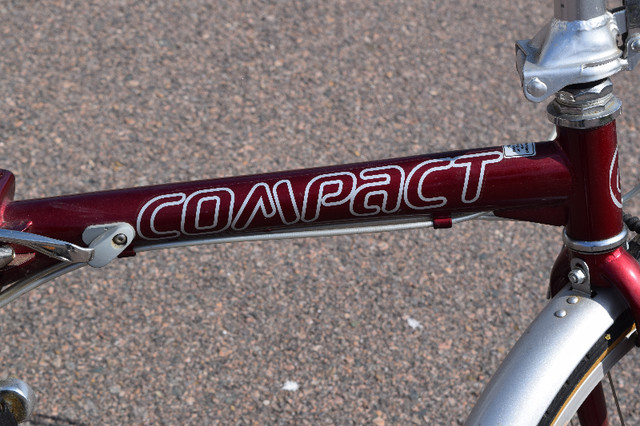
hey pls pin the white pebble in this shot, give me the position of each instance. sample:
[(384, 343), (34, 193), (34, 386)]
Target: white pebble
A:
[(290, 386), (413, 323)]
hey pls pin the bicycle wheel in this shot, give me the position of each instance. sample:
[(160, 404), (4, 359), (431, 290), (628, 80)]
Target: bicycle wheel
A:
[(561, 357)]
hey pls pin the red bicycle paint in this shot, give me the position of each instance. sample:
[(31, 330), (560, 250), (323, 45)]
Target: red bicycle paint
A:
[(426, 187)]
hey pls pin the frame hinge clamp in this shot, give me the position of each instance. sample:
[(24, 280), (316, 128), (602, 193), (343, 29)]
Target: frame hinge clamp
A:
[(105, 243)]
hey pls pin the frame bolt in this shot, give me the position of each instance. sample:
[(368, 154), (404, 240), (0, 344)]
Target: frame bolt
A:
[(635, 44), (577, 276), (120, 240), (535, 87)]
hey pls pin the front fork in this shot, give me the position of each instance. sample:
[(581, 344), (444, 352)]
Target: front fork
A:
[(594, 253)]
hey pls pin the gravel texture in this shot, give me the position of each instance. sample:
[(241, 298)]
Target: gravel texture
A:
[(398, 328)]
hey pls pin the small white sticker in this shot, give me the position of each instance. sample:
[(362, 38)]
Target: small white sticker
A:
[(519, 150)]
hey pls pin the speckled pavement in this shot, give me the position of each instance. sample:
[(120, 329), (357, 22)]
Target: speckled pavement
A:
[(397, 328)]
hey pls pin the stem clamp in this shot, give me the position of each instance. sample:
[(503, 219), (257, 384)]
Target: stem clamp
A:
[(582, 43)]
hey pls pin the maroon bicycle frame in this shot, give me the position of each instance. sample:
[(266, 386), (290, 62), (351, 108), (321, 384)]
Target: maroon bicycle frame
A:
[(512, 183), (572, 182), (525, 181)]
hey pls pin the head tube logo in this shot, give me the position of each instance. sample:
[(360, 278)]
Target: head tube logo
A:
[(614, 181)]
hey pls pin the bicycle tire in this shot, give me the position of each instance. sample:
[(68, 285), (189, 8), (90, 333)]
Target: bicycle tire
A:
[(592, 369)]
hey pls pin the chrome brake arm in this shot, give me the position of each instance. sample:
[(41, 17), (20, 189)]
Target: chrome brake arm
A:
[(107, 241)]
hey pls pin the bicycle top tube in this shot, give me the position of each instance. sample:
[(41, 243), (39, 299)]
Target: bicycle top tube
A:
[(514, 179)]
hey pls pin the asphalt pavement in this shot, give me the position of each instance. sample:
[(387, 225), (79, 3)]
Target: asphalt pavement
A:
[(396, 328)]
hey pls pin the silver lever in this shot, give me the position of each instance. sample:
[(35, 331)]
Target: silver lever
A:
[(57, 249), (105, 242)]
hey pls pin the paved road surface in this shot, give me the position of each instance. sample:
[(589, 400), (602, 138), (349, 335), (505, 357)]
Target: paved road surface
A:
[(110, 94)]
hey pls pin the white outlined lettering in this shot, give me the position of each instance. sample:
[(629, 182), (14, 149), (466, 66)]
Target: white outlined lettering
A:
[(469, 161), (419, 201), (283, 191), (175, 199), (259, 199), (374, 191), (327, 190), (614, 181), (203, 211), (379, 193)]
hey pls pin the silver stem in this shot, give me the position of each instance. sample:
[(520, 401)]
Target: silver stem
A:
[(578, 10)]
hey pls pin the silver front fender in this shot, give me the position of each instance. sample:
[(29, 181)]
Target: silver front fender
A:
[(541, 361)]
